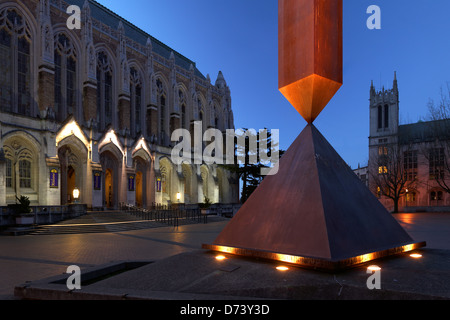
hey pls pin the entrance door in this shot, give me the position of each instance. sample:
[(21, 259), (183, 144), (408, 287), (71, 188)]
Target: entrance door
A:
[(71, 183), (139, 189), (109, 191)]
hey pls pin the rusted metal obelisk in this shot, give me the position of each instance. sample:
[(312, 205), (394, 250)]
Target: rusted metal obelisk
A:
[(315, 212)]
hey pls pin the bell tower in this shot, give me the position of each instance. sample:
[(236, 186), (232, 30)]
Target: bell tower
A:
[(384, 115)]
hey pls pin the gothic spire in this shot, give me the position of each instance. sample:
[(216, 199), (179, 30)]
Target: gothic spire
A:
[(395, 87)]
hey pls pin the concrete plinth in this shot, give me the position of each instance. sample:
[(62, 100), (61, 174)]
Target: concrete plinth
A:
[(199, 276)]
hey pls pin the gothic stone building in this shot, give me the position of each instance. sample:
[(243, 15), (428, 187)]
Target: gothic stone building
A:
[(94, 108), (422, 157)]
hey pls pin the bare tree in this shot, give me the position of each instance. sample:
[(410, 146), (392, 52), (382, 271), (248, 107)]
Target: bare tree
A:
[(438, 147), (394, 172)]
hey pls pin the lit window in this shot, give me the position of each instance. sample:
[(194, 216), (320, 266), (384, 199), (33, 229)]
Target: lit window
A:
[(411, 197), (382, 170), (379, 192)]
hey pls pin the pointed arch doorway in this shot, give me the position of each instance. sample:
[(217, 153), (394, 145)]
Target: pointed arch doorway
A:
[(142, 186), (109, 191), (139, 194), (72, 159), (111, 169), (71, 183)]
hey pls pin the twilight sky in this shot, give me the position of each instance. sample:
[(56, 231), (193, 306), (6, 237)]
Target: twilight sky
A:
[(240, 38)]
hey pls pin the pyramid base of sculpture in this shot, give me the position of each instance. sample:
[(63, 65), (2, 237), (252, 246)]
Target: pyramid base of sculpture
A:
[(315, 212)]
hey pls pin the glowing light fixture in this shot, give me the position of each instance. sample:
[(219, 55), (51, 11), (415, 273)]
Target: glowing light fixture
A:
[(305, 261), (111, 137), (220, 258), (76, 195), (416, 256), (282, 268), (374, 268), (178, 196), (141, 145), (70, 129)]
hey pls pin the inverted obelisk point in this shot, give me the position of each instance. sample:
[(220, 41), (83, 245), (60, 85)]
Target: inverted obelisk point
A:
[(310, 53)]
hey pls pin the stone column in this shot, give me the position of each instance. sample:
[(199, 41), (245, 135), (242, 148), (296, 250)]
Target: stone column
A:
[(90, 101), (46, 92), (152, 121), (124, 112)]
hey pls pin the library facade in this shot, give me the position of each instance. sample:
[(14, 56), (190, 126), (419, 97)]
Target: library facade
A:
[(93, 109)]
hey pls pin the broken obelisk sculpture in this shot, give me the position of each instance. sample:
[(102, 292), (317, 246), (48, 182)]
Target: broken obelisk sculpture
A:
[(315, 212)]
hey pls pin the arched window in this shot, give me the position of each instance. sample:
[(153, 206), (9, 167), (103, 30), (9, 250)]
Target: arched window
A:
[(15, 63), (200, 107), (163, 113), (386, 116), (104, 90), (183, 116), (380, 117), (136, 101), (161, 93), (65, 77)]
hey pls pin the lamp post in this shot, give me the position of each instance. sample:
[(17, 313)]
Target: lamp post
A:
[(407, 190), (76, 195)]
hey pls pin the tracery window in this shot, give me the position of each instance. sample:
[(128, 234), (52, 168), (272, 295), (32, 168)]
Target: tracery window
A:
[(161, 93), (19, 166), (104, 90), (15, 63), (136, 100), (65, 77)]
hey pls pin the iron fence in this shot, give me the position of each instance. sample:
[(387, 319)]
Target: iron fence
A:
[(167, 214)]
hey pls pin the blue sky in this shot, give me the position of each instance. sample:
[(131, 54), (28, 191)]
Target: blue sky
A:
[(240, 38)]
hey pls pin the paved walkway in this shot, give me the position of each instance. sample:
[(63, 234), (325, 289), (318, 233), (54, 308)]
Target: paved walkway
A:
[(31, 258)]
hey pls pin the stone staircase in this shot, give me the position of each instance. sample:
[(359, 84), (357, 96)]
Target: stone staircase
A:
[(98, 222), (110, 222)]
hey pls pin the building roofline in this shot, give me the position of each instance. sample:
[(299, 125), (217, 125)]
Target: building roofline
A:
[(147, 35)]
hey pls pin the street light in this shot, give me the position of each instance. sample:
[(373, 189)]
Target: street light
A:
[(76, 195), (407, 195)]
